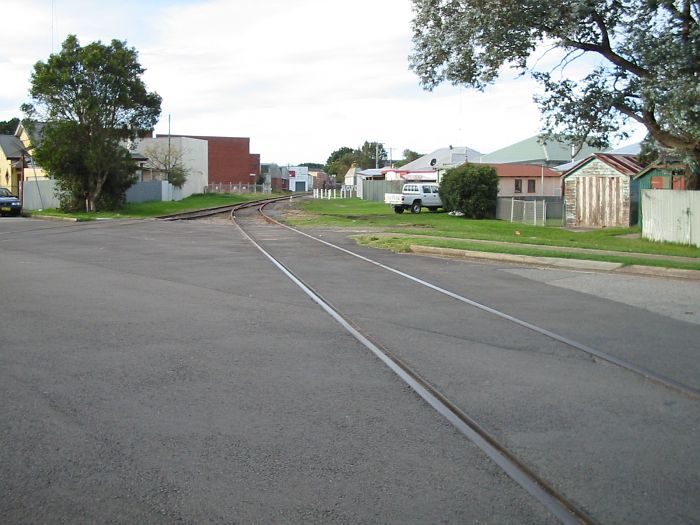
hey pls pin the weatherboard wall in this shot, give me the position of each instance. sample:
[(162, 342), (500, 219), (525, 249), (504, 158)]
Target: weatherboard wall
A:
[(597, 196)]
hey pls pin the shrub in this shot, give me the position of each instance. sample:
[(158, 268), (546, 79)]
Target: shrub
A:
[(471, 189)]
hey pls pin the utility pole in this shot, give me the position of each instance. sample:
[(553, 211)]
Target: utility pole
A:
[(167, 165)]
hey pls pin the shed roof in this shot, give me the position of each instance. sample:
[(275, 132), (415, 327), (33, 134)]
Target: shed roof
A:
[(665, 169), (623, 164)]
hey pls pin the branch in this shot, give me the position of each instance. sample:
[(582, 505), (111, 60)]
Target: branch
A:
[(648, 120), (610, 55)]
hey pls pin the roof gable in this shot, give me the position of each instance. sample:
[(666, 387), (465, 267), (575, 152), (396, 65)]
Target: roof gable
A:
[(623, 164)]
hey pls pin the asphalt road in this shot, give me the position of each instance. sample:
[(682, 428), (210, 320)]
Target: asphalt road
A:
[(166, 372)]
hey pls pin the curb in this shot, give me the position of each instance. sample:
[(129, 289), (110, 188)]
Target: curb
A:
[(555, 262), (54, 218)]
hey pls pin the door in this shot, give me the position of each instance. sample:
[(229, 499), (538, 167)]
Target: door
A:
[(300, 186)]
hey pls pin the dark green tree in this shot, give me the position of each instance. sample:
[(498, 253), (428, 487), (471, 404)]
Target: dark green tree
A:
[(368, 155), (92, 99), (373, 155), (339, 162), (644, 66), (8, 127), (471, 189)]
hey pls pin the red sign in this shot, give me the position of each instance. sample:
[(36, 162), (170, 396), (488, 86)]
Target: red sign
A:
[(292, 173)]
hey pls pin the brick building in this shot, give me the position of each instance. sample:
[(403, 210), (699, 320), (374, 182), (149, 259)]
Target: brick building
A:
[(230, 159)]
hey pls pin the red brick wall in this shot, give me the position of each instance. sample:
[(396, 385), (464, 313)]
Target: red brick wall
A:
[(230, 159)]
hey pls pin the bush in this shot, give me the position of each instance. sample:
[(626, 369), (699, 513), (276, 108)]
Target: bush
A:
[(471, 189)]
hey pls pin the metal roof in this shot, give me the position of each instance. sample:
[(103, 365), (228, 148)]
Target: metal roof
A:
[(11, 146), (535, 148), (443, 157), (623, 164)]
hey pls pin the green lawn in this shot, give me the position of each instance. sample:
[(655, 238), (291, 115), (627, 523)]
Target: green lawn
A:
[(359, 213), (154, 209)]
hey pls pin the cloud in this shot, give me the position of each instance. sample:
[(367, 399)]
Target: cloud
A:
[(301, 78)]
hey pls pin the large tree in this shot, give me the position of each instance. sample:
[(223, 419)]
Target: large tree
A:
[(642, 59), (92, 99)]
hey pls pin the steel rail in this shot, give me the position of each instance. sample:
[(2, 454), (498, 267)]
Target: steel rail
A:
[(217, 210), (566, 511), (647, 374)]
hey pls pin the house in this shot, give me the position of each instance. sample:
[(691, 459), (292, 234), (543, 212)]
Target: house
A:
[(12, 155), (229, 159), (536, 150), (668, 176), (526, 181), (428, 167), (598, 193)]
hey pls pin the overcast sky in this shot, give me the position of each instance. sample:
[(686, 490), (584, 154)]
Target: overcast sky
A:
[(301, 78)]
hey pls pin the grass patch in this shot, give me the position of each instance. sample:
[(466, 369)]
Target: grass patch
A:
[(145, 210), (357, 213), (403, 244)]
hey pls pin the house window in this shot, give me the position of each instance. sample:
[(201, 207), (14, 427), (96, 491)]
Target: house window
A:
[(531, 186), (518, 185)]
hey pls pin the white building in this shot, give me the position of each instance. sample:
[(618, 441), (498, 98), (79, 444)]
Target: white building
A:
[(299, 179), (195, 158)]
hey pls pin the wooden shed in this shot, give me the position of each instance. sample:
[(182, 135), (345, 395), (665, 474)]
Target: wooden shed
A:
[(597, 192), (672, 176)]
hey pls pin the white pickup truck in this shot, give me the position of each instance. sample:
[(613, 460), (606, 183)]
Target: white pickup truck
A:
[(415, 196)]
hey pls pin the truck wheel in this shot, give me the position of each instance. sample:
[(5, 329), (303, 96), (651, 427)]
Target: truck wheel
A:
[(415, 207), (398, 209)]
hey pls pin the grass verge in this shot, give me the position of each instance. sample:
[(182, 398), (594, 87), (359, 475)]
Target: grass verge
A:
[(403, 245), (356, 213), (145, 210)]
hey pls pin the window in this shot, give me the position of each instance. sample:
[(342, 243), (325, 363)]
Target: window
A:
[(518, 185), (531, 186), (426, 189)]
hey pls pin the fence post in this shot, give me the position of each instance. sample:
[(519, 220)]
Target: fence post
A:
[(512, 204)]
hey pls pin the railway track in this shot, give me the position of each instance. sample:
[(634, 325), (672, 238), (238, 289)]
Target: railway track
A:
[(558, 504)]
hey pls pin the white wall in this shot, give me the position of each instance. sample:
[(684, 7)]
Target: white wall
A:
[(301, 174), (195, 158)]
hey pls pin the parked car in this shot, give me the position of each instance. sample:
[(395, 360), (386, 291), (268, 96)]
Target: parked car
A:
[(9, 204), (414, 196)]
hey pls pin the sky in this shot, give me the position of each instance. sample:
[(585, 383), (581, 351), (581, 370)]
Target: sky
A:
[(301, 78)]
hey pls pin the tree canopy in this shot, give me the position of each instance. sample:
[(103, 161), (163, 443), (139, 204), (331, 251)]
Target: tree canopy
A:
[(642, 59), (8, 127), (471, 189), (368, 155), (92, 99)]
